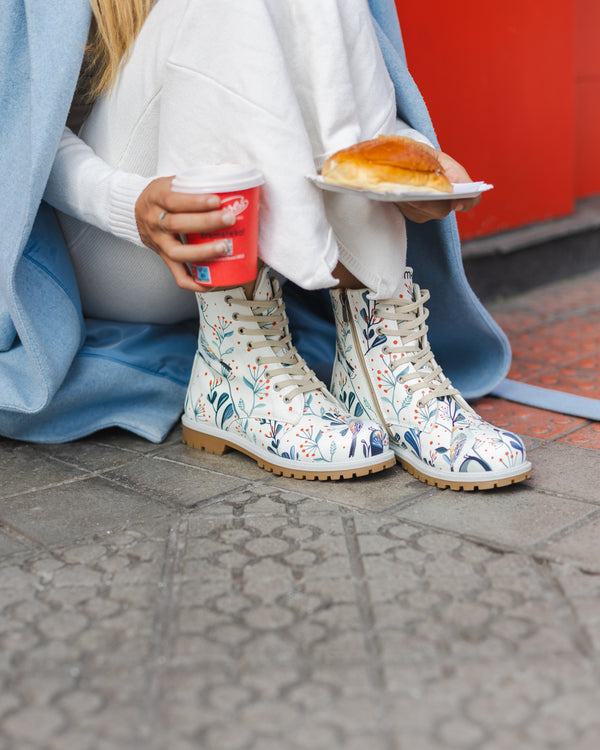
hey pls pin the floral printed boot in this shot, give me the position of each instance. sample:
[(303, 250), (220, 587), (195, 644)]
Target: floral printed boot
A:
[(250, 390), (385, 370)]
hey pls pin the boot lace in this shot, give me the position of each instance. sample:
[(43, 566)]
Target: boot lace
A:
[(271, 320), (411, 332)]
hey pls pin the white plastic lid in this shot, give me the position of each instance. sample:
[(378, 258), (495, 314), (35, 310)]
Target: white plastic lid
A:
[(215, 178)]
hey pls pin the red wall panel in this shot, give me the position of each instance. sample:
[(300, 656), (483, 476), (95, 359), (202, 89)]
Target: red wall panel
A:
[(587, 98), (499, 82)]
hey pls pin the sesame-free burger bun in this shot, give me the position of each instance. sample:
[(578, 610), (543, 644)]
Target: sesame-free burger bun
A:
[(386, 164)]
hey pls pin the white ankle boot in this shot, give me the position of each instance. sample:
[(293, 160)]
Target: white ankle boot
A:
[(385, 370), (251, 391)]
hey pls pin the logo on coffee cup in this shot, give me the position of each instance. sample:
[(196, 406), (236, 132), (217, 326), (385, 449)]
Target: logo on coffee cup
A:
[(237, 204)]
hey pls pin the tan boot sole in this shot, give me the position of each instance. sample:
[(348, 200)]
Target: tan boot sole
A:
[(445, 484), (218, 446)]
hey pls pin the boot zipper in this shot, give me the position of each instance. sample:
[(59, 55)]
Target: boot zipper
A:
[(347, 318)]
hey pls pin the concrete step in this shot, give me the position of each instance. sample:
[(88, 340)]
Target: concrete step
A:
[(519, 260)]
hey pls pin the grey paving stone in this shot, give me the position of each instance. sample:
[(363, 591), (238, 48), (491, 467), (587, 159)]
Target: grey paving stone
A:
[(173, 482), (566, 470), (34, 724), (579, 546), (24, 467), (115, 438), (12, 544), (233, 463), (513, 518), (80, 510), (494, 702), (373, 493), (90, 455), (283, 614)]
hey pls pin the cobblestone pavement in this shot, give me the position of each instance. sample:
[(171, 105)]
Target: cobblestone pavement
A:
[(158, 598)]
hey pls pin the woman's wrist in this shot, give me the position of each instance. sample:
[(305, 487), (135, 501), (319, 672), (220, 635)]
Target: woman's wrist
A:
[(125, 190)]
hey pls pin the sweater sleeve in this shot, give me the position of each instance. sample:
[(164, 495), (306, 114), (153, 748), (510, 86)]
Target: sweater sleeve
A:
[(84, 186)]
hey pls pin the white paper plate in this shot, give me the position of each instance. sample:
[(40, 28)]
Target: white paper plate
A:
[(461, 190)]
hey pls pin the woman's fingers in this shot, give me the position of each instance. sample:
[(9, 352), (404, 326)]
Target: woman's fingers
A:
[(179, 252), (164, 217), (182, 275), (188, 223)]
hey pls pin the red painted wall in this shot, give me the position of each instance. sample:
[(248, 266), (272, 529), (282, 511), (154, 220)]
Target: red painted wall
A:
[(587, 97), (500, 82)]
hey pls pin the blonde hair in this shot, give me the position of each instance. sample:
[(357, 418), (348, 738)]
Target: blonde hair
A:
[(115, 25)]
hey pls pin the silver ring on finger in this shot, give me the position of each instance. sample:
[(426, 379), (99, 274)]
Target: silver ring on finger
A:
[(161, 217)]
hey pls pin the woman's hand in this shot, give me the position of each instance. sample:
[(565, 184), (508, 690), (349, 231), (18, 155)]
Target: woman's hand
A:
[(422, 211), (162, 215)]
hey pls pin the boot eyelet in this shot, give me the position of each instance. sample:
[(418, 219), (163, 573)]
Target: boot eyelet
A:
[(235, 316), (258, 362), (286, 399), (386, 350), (241, 331), (228, 299), (276, 387)]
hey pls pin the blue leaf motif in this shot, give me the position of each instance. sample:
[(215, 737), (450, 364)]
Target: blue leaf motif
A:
[(227, 414), (412, 442), (472, 463)]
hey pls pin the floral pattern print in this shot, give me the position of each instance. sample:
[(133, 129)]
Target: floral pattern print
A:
[(375, 374), (233, 391)]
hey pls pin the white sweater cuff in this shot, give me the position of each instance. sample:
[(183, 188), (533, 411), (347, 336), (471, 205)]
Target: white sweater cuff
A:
[(125, 189)]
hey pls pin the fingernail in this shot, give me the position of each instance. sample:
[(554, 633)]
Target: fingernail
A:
[(224, 248), (459, 207), (228, 217), (213, 202)]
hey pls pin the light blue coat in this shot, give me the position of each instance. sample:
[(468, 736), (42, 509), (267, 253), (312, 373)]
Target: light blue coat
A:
[(62, 377)]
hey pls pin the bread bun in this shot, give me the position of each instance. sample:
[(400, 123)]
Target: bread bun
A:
[(386, 164)]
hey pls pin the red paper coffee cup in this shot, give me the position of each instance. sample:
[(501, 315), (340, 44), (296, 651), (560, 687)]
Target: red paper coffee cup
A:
[(238, 187)]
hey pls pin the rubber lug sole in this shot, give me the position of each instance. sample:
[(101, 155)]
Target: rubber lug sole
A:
[(218, 446), (446, 484)]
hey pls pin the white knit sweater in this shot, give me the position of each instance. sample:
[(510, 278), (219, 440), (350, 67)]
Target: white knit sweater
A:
[(271, 82)]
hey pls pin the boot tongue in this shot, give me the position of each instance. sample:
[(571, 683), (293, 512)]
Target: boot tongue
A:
[(407, 295), (263, 288), (406, 292), (263, 291)]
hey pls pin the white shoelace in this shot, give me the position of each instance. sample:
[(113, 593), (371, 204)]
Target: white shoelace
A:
[(411, 332), (271, 319)]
